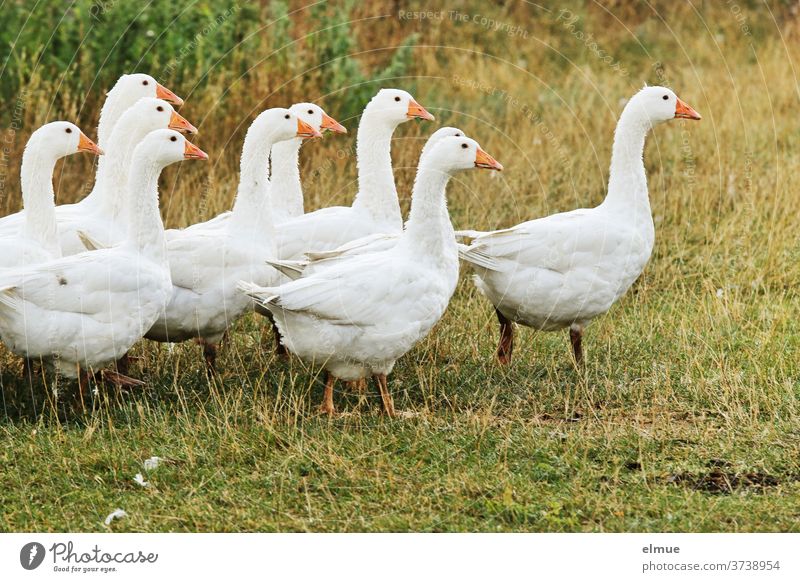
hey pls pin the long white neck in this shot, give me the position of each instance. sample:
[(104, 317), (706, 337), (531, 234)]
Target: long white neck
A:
[(145, 229), (38, 198), (627, 184), (112, 110), (252, 214), (285, 187), (109, 194), (428, 231), (377, 194)]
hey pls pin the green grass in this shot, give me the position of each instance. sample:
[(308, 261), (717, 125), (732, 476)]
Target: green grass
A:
[(650, 439), (686, 418)]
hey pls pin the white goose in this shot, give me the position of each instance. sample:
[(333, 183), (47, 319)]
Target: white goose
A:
[(86, 310), (564, 270), (376, 208), (101, 215), (206, 263), (358, 317), (35, 239), (315, 260), (286, 190)]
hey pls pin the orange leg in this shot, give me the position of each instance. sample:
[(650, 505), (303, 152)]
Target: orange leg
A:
[(327, 400), (359, 386), (506, 345), (386, 396)]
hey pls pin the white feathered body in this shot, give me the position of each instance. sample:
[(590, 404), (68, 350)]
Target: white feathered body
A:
[(20, 251), (561, 270), (357, 319), (206, 267), (328, 229), (87, 309)]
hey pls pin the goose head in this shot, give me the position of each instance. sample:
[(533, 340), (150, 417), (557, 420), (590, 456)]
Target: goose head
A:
[(136, 86), (151, 113), (438, 135), (163, 147), (396, 106), (282, 124), (316, 117), (656, 105), (62, 138), (453, 154)]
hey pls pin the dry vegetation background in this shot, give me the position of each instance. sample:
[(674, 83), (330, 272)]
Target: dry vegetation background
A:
[(687, 415)]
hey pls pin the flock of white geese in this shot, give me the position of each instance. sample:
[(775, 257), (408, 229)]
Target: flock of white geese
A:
[(348, 288)]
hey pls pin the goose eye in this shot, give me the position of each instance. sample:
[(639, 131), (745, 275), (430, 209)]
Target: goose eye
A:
[(310, 112), (173, 138), (68, 130), (465, 146), (159, 108), (666, 97), (145, 82), (286, 116), (458, 135), (397, 98)]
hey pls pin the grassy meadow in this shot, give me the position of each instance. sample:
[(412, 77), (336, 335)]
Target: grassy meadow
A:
[(687, 416)]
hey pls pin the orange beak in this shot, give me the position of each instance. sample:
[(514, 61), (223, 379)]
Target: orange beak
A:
[(331, 124), (484, 160), (167, 95), (305, 131), (192, 152), (417, 110), (87, 145), (683, 111), (179, 123)]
